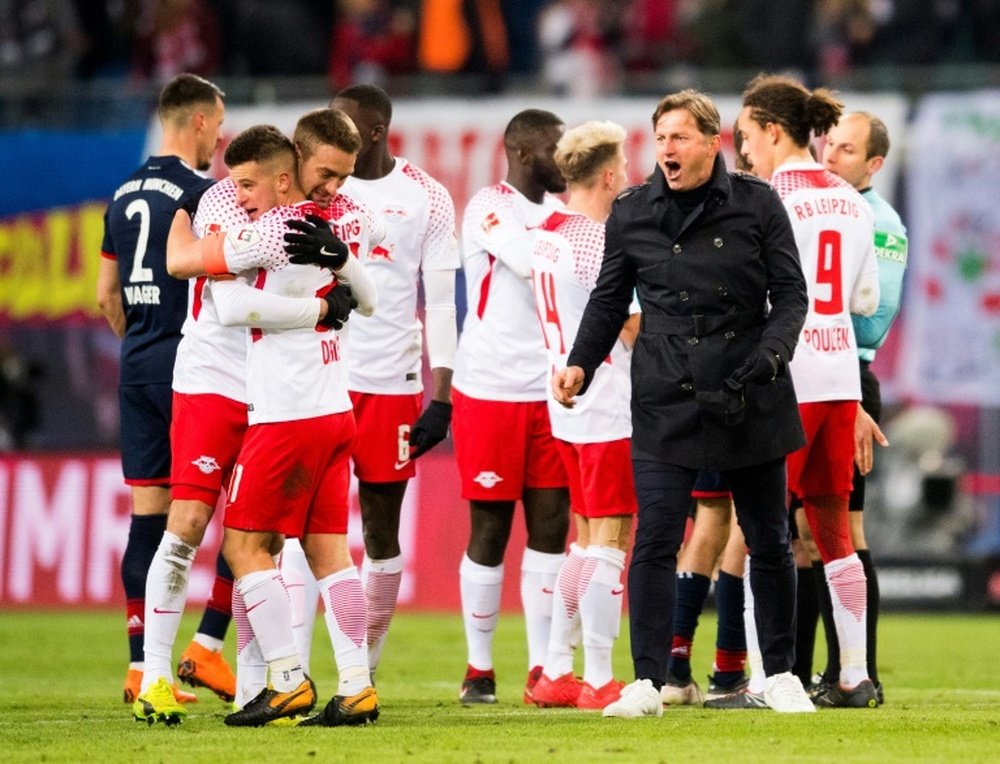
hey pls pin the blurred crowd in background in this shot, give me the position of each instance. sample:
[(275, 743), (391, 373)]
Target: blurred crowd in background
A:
[(576, 47)]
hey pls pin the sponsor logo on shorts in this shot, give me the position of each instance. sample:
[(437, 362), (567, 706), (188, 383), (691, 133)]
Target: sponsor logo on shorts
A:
[(400, 465), (206, 464), (487, 478)]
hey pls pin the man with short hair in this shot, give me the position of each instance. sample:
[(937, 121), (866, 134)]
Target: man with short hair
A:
[(855, 149), (291, 477), (385, 363), (209, 423), (833, 230), (712, 258), (146, 307), (503, 439)]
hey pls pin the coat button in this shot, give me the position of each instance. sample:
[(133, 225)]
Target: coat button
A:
[(677, 249), (693, 341), (717, 242), (722, 291), (687, 386), (729, 335), (684, 296)]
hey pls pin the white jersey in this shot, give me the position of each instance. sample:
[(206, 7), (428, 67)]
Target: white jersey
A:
[(834, 230), (211, 358), (292, 374), (419, 219), (566, 258), (501, 354)]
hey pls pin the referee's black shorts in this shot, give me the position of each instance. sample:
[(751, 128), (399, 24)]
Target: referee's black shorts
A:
[(871, 401)]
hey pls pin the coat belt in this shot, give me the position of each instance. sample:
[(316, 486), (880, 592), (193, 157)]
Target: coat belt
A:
[(700, 325)]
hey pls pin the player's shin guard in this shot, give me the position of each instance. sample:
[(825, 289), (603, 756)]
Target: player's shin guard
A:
[(166, 593), (304, 595), (219, 608), (871, 582), (480, 587), (145, 532), (538, 581), (601, 611), (380, 580), (270, 616), (692, 591), (730, 635), (807, 618), (251, 668), (345, 613), (846, 578), (565, 633)]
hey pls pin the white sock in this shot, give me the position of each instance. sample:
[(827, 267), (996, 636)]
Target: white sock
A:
[(565, 632), (251, 668), (849, 594), (538, 582), (754, 658), (304, 594), (209, 643), (601, 611), (380, 581), (480, 587), (166, 593), (270, 616), (344, 610)]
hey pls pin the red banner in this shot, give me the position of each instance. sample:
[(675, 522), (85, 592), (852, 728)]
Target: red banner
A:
[(64, 521)]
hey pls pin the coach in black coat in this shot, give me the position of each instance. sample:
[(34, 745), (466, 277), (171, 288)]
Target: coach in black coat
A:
[(704, 292), (713, 260)]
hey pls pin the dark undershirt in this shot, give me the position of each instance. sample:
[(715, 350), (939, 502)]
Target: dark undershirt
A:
[(680, 204)]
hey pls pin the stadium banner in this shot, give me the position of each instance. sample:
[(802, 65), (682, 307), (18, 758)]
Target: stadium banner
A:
[(64, 521), (950, 351), (49, 261)]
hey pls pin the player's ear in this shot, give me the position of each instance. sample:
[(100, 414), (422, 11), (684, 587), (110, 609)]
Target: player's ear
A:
[(875, 164), (378, 133)]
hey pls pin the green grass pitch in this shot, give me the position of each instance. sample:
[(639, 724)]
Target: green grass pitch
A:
[(60, 677)]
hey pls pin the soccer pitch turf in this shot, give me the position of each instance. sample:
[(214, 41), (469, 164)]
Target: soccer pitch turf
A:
[(61, 680)]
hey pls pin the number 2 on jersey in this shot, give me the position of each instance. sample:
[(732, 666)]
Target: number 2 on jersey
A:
[(828, 272), (545, 285), (140, 207)]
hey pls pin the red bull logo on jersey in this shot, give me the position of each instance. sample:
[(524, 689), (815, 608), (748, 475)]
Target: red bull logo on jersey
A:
[(490, 222), (394, 214), (487, 479), (206, 464), (381, 253)]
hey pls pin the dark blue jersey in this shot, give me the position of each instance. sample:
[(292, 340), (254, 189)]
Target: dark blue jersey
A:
[(136, 225)]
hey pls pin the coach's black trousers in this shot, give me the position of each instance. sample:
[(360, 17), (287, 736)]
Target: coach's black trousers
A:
[(664, 495)]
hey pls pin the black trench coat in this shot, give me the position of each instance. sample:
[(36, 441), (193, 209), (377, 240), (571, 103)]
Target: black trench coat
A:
[(730, 282)]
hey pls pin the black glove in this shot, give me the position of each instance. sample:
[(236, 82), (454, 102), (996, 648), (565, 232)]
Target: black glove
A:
[(762, 367), (339, 304), (317, 244), (430, 429)]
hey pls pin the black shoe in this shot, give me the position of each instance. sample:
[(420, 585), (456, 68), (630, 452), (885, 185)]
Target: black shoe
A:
[(879, 693), (270, 705), (864, 695), (718, 690), (347, 711), (480, 689), (739, 700)]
